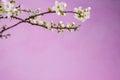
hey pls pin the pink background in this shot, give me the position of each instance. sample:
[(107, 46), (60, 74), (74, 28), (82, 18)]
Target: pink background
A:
[(93, 53)]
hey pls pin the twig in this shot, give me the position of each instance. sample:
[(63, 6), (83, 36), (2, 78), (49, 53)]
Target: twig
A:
[(33, 16)]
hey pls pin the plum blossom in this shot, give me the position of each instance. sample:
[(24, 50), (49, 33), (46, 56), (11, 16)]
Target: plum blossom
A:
[(60, 24), (37, 20), (59, 7), (7, 9), (82, 14)]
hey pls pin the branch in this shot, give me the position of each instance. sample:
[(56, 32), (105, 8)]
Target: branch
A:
[(33, 16), (9, 11)]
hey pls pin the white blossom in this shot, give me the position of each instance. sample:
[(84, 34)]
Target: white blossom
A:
[(73, 23), (49, 26), (7, 9), (68, 25), (59, 7), (61, 24), (37, 20), (82, 14)]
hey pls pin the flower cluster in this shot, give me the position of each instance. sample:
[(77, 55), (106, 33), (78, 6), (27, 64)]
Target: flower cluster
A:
[(52, 25), (82, 14), (37, 20), (59, 7), (7, 8)]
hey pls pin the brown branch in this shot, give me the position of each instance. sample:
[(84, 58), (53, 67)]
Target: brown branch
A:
[(33, 16), (42, 25), (49, 12), (1, 17)]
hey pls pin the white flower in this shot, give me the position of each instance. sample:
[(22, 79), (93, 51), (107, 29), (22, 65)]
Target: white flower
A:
[(73, 23), (37, 20), (49, 26), (68, 25), (82, 14), (59, 7), (60, 24), (7, 9)]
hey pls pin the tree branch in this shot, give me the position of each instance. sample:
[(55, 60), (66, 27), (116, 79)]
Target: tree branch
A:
[(33, 16)]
